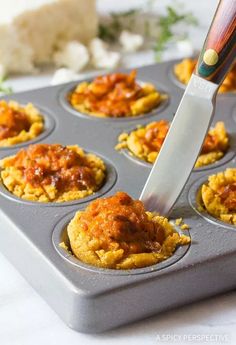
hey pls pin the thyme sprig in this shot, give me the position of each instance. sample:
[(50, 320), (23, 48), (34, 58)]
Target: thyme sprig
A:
[(3, 88), (165, 25)]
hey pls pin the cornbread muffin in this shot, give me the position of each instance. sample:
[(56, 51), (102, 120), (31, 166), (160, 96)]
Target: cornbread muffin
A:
[(116, 232), (19, 123), (185, 68), (145, 142), (52, 172), (215, 145), (115, 95), (218, 196)]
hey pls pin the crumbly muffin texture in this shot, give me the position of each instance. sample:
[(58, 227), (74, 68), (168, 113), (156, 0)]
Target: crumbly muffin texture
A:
[(215, 145), (145, 142), (52, 172), (19, 123), (185, 68), (115, 95), (218, 196), (116, 232)]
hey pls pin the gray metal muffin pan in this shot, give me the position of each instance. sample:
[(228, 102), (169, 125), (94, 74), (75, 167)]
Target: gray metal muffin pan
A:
[(94, 300)]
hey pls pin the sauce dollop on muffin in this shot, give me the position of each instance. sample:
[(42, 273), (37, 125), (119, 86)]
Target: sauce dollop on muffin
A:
[(19, 123), (52, 172), (146, 142), (115, 95), (117, 232)]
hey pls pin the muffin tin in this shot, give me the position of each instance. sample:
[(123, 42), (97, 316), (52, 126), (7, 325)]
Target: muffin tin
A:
[(92, 300)]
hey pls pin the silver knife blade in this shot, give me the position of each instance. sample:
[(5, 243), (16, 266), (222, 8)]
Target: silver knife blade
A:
[(181, 147)]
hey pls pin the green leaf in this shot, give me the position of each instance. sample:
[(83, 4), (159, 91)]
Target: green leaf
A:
[(3, 88), (166, 24)]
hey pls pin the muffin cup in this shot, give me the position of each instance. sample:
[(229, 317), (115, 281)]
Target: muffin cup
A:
[(60, 235)]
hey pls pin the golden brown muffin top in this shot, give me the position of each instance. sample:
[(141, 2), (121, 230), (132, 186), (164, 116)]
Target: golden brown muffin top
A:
[(121, 220), (46, 164), (111, 94), (12, 121), (227, 194), (211, 143), (155, 135), (156, 132)]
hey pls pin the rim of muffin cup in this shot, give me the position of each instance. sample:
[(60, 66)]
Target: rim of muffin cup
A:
[(109, 182), (66, 90), (194, 198), (174, 79), (228, 156), (49, 126), (60, 235), (234, 114)]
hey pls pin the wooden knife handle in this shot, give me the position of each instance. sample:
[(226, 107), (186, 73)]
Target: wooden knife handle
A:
[(219, 49)]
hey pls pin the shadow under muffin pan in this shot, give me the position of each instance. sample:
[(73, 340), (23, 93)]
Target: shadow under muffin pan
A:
[(91, 299)]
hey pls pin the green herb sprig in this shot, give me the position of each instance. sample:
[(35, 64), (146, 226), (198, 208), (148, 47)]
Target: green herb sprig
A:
[(3, 88), (166, 24)]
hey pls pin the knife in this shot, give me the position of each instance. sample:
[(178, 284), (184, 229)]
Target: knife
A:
[(190, 125)]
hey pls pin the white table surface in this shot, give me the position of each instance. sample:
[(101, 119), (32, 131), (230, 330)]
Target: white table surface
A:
[(25, 319)]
